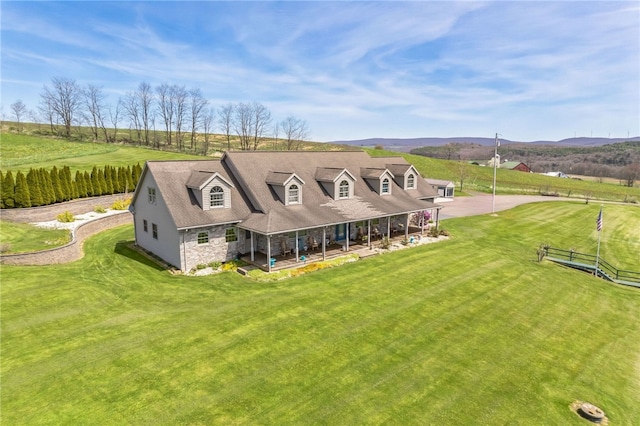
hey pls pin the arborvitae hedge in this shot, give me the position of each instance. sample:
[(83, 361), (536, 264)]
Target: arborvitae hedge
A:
[(8, 191), (22, 197), (41, 187)]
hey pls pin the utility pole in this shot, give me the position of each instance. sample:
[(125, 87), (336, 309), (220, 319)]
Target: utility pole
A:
[(495, 167)]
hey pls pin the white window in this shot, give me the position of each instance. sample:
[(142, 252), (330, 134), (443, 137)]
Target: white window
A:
[(154, 230), (294, 195), (385, 186), (152, 195), (217, 197), (411, 181), (203, 237), (230, 235), (144, 225), (343, 191)]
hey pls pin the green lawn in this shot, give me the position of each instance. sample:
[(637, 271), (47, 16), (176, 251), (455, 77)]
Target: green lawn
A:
[(468, 331), (21, 152), (23, 237)]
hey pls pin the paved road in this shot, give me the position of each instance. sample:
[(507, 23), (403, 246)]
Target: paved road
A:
[(477, 204)]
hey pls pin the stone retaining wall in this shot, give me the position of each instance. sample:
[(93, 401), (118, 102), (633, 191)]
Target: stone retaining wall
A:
[(50, 212), (73, 250)]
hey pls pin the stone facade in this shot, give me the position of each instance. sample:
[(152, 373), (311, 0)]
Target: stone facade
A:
[(216, 248)]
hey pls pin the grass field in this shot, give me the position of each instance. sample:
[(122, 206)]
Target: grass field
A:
[(468, 331), (19, 152)]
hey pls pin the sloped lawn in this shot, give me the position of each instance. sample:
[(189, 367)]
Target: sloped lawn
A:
[(468, 331)]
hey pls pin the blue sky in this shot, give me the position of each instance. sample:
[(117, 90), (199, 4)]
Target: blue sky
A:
[(530, 71)]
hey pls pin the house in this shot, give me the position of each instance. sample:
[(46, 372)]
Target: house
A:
[(515, 165), (445, 189), (262, 204)]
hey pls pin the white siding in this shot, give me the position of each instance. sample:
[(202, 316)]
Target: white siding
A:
[(167, 245)]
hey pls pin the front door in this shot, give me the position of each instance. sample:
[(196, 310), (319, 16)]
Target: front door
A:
[(341, 232)]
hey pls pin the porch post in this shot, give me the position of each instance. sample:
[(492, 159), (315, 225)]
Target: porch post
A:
[(269, 252), (389, 227), (437, 218), (253, 256), (406, 227), (422, 222), (348, 236), (324, 242), (369, 233), (297, 250)]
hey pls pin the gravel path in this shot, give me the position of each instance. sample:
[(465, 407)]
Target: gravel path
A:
[(480, 203)]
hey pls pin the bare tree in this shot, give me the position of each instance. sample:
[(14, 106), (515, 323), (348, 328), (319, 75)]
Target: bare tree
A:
[(226, 116), (179, 96), (64, 98), (207, 115), (166, 108), (95, 111), (114, 118), (261, 122), (630, 173), (131, 105), (276, 134), (46, 109), (19, 110), (145, 101), (198, 103), (34, 117), (243, 124), (464, 172), (295, 131)]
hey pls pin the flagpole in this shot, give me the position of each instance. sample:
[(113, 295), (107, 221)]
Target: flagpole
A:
[(599, 228), (495, 166)]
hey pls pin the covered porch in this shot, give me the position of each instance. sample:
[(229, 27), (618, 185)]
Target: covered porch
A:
[(289, 258)]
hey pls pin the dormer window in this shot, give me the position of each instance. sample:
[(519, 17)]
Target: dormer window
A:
[(343, 191), (385, 186), (293, 195), (217, 197), (411, 181)]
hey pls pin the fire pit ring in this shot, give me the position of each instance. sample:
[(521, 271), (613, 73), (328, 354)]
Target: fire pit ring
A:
[(591, 412)]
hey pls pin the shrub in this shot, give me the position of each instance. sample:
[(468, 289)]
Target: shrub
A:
[(121, 204), (99, 209), (5, 248), (215, 265), (66, 217), (200, 266), (385, 243)]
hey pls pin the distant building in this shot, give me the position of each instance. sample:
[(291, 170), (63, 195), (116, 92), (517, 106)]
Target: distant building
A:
[(515, 165), (556, 174), (445, 189)]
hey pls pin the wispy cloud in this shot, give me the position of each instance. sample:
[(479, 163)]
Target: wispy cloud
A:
[(351, 69)]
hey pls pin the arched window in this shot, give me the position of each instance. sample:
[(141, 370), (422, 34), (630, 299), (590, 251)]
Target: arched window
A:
[(294, 195), (411, 181), (385, 186), (217, 197), (343, 191)]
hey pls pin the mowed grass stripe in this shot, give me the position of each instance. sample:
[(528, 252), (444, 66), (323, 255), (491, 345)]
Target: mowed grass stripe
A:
[(467, 331)]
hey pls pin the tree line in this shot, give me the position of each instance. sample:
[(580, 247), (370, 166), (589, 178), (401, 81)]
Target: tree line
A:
[(41, 187), (168, 114), (619, 160)]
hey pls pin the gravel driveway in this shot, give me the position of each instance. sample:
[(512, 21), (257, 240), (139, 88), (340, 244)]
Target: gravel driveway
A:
[(480, 203)]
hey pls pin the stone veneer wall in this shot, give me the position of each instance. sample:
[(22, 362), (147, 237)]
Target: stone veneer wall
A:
[(216, 250)]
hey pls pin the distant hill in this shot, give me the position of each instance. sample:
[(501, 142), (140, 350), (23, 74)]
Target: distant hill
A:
[(406, 145)]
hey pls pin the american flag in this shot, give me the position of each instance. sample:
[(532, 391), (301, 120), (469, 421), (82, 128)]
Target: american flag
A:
[(599, 221)]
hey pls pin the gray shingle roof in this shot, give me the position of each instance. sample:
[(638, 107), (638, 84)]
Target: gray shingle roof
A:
[(255, 206)]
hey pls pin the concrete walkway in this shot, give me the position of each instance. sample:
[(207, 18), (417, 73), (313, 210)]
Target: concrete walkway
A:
[(480, 203)]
